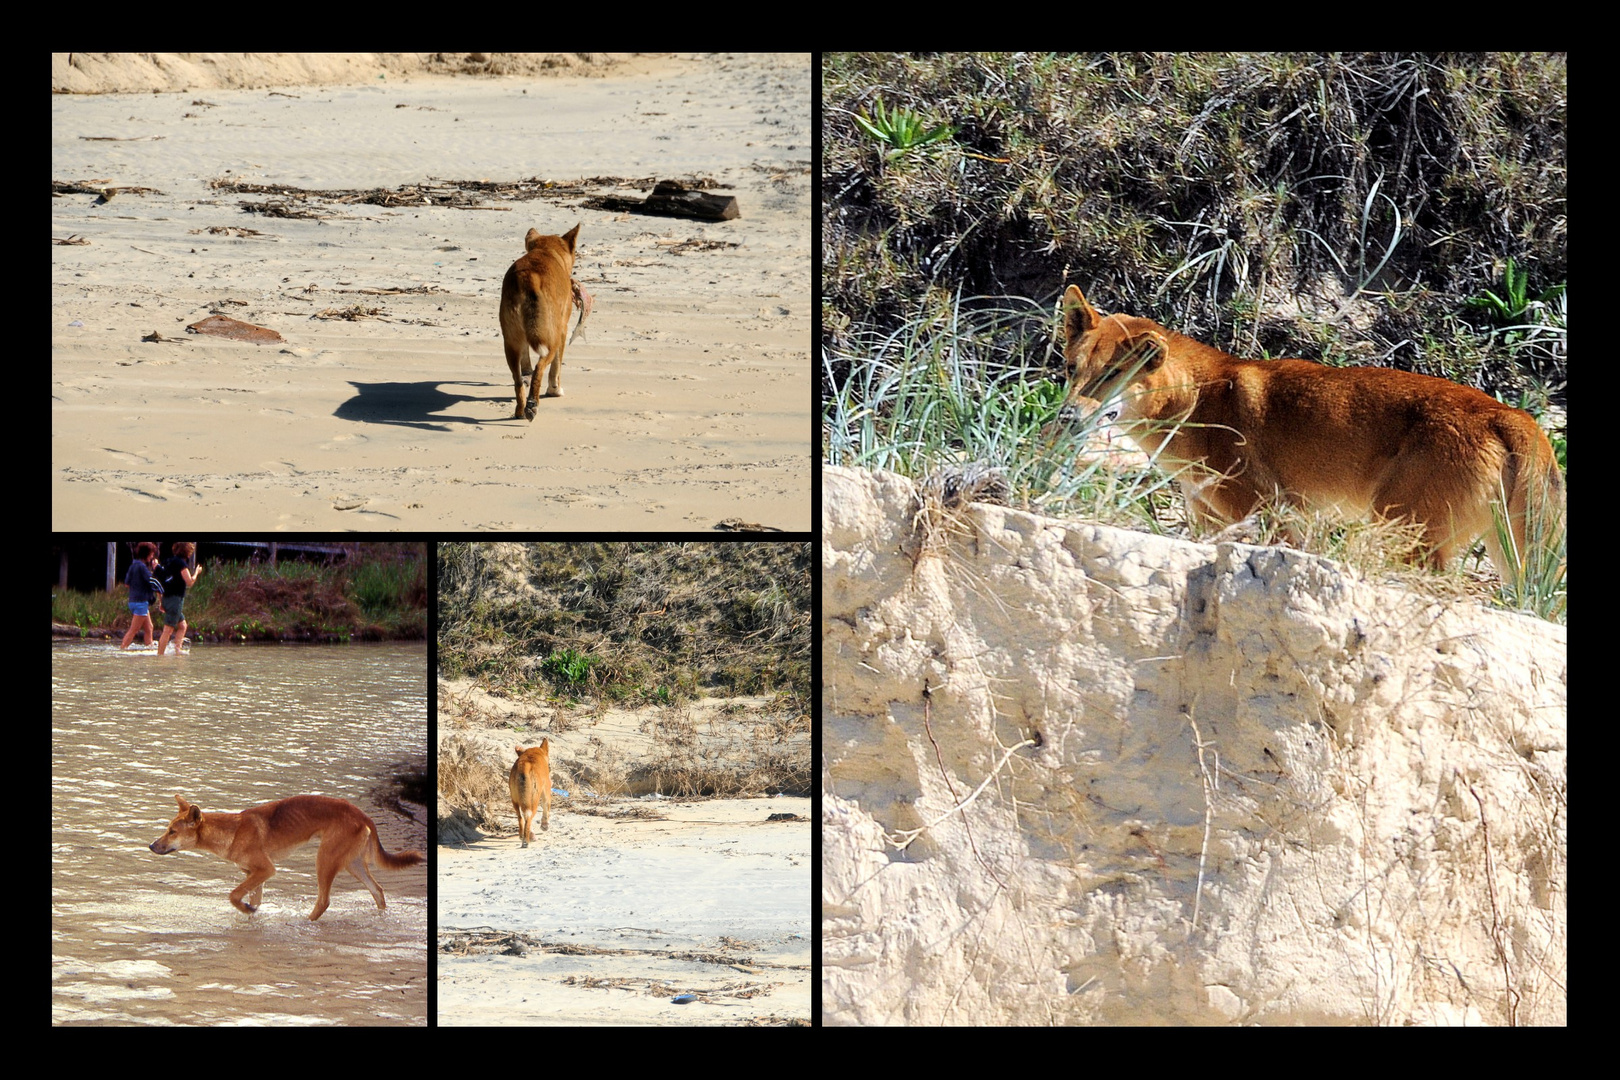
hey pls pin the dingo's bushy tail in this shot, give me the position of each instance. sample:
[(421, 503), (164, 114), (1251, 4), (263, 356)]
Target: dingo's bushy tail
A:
[(393, 862)]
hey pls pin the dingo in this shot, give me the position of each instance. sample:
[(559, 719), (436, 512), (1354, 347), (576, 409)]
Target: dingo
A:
[(531, 788), (257, 835), (537, 297), (1361, 440)]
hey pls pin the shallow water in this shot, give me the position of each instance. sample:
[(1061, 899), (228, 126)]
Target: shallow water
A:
[(138, 938)]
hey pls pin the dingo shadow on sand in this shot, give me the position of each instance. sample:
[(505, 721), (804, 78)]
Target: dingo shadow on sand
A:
[(414, 404)]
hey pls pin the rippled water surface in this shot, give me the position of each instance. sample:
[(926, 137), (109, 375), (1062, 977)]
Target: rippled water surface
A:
[(138, 938)]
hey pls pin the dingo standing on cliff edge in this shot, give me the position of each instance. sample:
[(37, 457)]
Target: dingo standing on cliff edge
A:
[(1364, 440)]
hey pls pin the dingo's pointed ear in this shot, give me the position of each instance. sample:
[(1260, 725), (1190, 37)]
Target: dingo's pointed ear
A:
[(570, 236), (182, 803), (1078, 314)]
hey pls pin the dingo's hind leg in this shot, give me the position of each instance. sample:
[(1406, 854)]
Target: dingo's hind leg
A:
[(534, 382), (525, 818), (517, 358), (358, 867), (554, 380), (340, 847)]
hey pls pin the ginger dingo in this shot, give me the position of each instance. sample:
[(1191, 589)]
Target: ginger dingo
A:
[(253, 837), (1363, 440), (531, 788), (537, 297)]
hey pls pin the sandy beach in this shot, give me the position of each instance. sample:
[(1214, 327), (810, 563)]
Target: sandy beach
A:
[(628, 901), (387, 404), (607, 920)]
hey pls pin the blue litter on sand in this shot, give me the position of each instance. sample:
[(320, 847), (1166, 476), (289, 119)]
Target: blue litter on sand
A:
[(683, 999)]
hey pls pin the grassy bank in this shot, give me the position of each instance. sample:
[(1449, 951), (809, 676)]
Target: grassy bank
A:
[(375, 597)]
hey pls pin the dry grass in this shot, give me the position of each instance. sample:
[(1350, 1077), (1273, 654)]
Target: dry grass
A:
[(557, 636), (469, 782)]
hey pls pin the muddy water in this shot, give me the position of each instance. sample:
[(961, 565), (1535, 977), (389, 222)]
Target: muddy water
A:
[(138, 938)]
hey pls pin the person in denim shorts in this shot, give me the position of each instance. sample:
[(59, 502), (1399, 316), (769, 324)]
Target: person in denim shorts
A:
[(143, 591)]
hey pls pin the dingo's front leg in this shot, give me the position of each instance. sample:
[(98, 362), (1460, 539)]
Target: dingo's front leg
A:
[(250, 894)]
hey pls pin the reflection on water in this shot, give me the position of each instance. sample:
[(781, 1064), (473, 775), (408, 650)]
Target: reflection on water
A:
[(143, 938)]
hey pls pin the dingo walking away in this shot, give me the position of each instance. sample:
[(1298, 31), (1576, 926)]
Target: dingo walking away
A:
[(531, 788), (252, 838), (537, 297)]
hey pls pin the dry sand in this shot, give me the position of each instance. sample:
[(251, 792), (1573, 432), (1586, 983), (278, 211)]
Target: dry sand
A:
[(624, 903), (607, 920), (687, 402)]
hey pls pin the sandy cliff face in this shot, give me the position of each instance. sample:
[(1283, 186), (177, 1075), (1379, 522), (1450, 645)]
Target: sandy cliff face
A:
[(1263, 791)]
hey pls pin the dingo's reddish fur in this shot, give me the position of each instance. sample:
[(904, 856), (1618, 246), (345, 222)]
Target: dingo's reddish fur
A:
[(252, 838), (537, 297), (531, 788), (1362, 440)]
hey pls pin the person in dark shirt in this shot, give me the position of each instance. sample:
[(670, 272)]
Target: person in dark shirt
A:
[(179, 575), (143, 590)]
